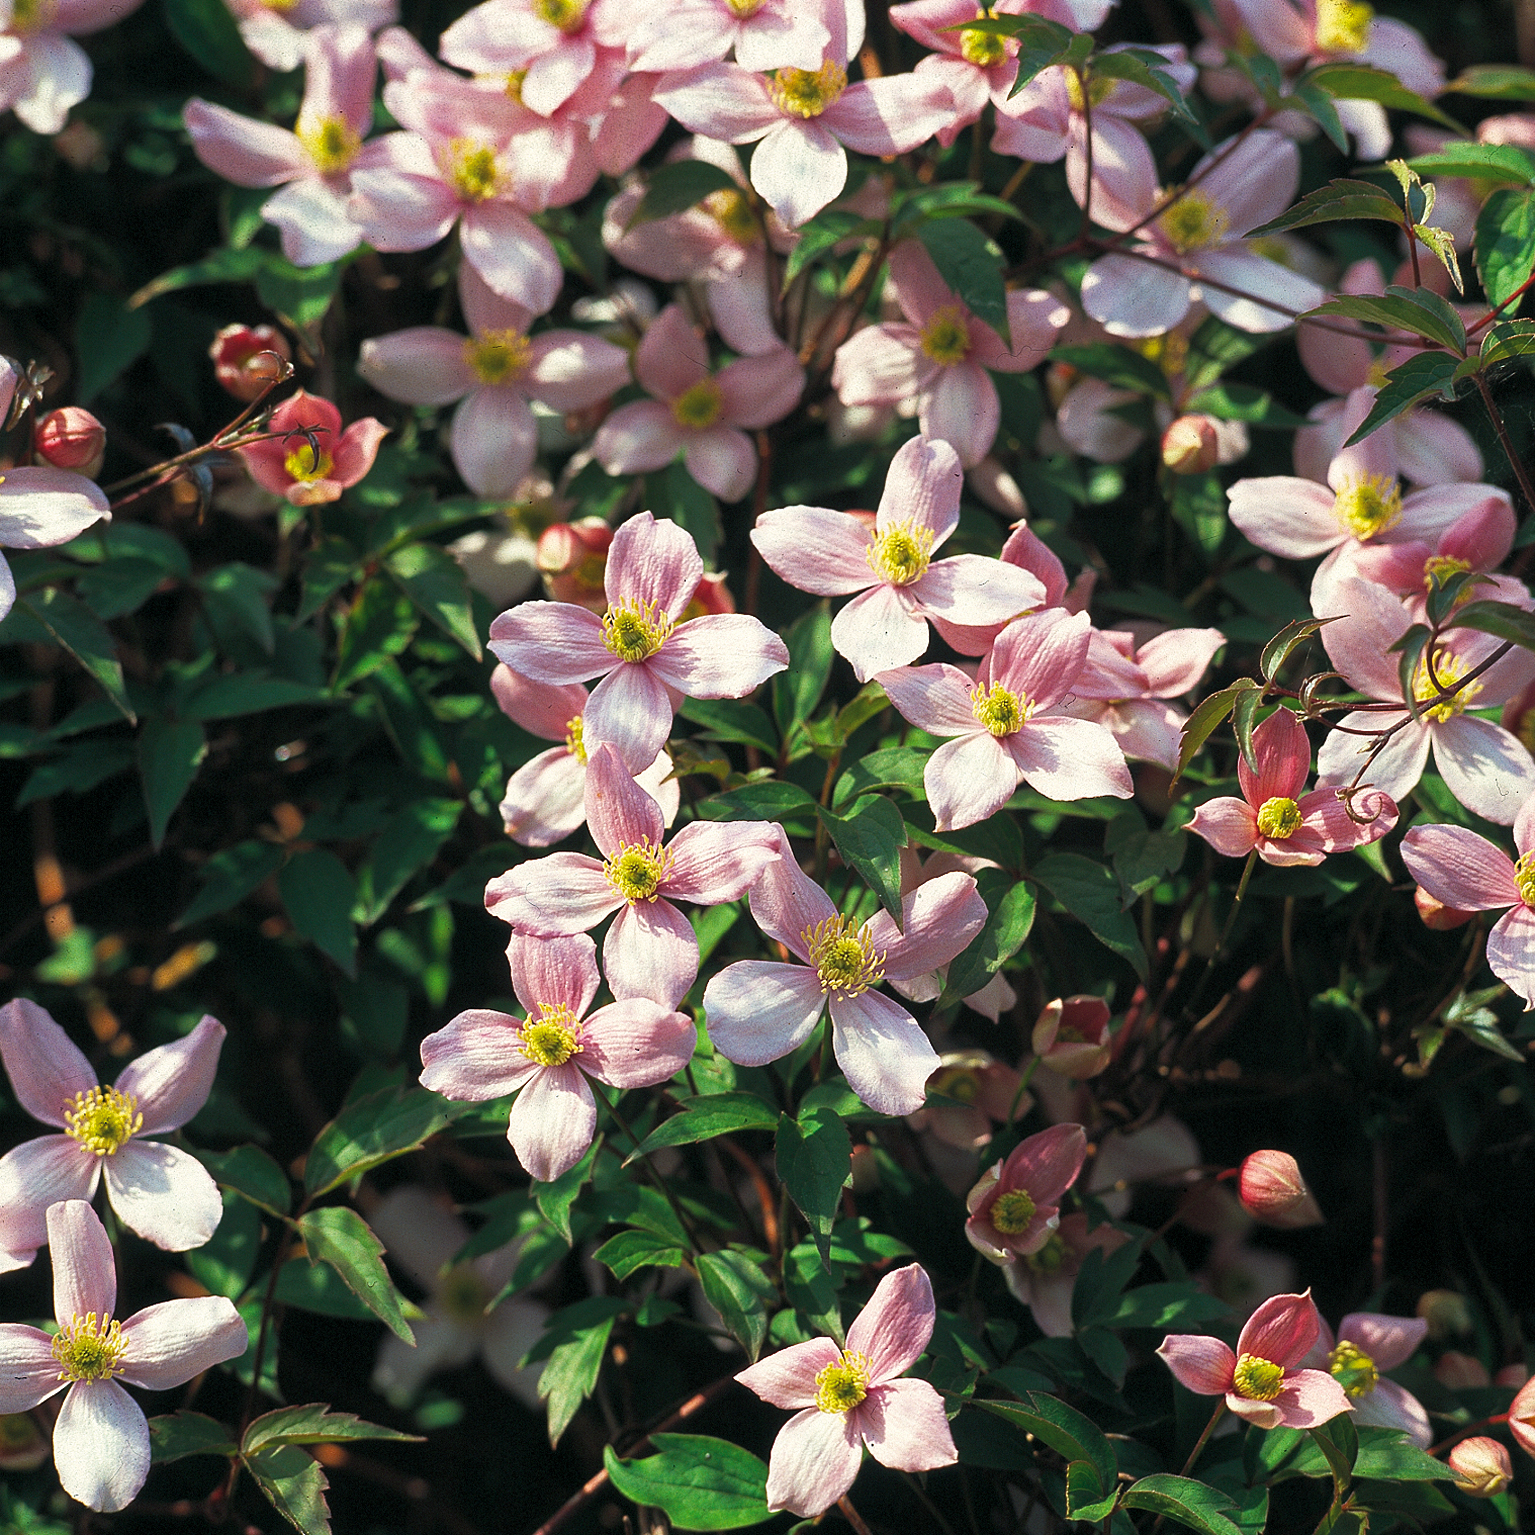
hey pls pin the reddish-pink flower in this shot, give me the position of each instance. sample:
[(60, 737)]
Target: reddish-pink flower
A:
[(851, 1397), (1264, 1381), (247, 360), (1071, 1036), (308, 459), (981, 1089), (1521, 1417), (1017, 1203), (573, 558)]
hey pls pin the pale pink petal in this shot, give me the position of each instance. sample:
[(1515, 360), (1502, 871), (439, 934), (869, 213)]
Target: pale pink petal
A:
[(882, 1051), (894, 1328), (787, 1378), (550, 897), (47, 1070), (1486, 768), (922, 490), (904, 1425), (1524, 826), (400, 210), (164, 1194), (720, 100), (760, 390), (1281, 1330), (722, 460), (933, 698), (1204, 1365), (1066, 758), (172, 1082), (554, 973), (493, 441), (673, 357), (1429, 513), (959, 407), (552, 642), (1391, 1406), (713, 862), (1460, 869), (475, 1057), (877, 365), (721, 655), (1309, 1397), (1286, 516), (401, 1370), (552, 1122), (758, 1010), (1047, 1164), (1040, 656), (814, 1460), (798, 168), (1269, 296), (938, 919), (514, 1327), (786, 903), (172, 1342), (1228, 824), (34, 1175), (968, 779), (512, 254), (314, 220), (619, 812), (890, 115), (41, 507), (242, 150), (356, 448), (1388, 1340), (541, 708), (1511, 952), (421, 366), (877, 631), (29, 1372), (1359, 643), (101, 1445), (1483, 536), (636, 1042), (1134, 298), (973, 589), (815, 549), (653, 563), (651, 951), (570, 371), (1124, 172), (1393, 772), (1432, 449), (1174, 661), (545, 799), (637, 438), (84, 1270), (421, 1234), (632, 711)]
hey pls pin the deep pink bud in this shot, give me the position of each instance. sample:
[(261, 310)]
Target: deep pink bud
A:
[(70, 438), (1190, 445), (1436, 914), (244, 362), (1274, 1193), (1071, 1036), (573, 557), (1482, 1467)]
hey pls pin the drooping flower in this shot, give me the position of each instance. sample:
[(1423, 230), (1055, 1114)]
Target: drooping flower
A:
[(1367, 1345), (760, 1010), (40, 508), (101, 1438), (1017, 1203), (248, 360), (982, 1090), (850, 1397), (159, 1191), (1273, 1192), (547, 1057), (651, 949), (899, 584), (640, 650), (308, 459), (1045, 1278), (1264, 1381)]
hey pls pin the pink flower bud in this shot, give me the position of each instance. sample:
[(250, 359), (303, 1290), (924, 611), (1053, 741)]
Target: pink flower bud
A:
[(70, 438), (573, 557), (1436, 914), (1521, 1417), (1446, 1313), (1482, 1467), (1190, 445), (1273, 1192), (1071, 1036), (1461, 1372), (244, 362)]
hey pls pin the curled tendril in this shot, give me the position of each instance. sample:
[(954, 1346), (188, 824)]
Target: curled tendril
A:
[(1310, 705), (1358, 817)]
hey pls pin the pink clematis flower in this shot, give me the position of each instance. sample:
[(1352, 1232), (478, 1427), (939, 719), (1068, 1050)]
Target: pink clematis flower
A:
[(644, 656), (1017, 1203), (891, 566), (308, 459), (1285, 826), (651, 949), (42, 73), (101, 1438), (494, 372), (770, 34), (1367, 1345), (984, 1091), (1264, 1381), (159, 1191), (1007, 724), (278, 32), (941, 355), (695, 412), (1044, 1279), (1237, 187), (547, 1057), (760, 1010), (849, 1398), (40, 508), (1469, 873), (1071, 1037)]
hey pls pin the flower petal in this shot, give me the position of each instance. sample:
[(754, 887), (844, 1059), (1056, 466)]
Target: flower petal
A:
[(904, 1426), (45, 1067), (84, 1272), (163, 1193), (894, 1328), (29, 1372), (474, 1057), (551, 973), (172, 1342), (1204, 1365), (552, 1122), (1460, 869), (787, 1378), (172, 1082), (878, 631), (101, 1446), (814, 1460), (637, 1043), (1281, 1330), (882, 1051), (34, 1175), (758, 1010), (815, 549)]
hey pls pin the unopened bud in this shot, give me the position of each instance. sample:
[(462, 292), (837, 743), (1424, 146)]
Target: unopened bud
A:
[(70, 438), (573, 557), (1273, 1192), (1190, 445), (1521, 1418), (249, 359), (1071, 1036), (1482, 1467), (1436, 914), (1461, 1372), (1446, 1313)]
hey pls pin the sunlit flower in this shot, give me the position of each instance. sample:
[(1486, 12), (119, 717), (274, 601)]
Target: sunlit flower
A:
[(1366, 1347), (307, 458), (1016, 1205)]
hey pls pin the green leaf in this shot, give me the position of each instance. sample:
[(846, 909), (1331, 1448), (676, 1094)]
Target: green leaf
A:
[(1068, 1432), (818, 235), (1505, 82), (814, 1159), (1085, 1497), (82, 767), (221, 266), (319, 1288), (1214, 348), (725, 719), (737, 1288), (229, 876), (699, 1483), (226, 1261), (556, 1197), (1363, 82), (314, 1423), (1505, 243), (379, 625), (972, 265), (236, 598), (631, 1251), (1505, 341), (436, 583), (84, 636), (226, 697), (705, 1117), (1090, 892), (294, 1485), (416, 733), (570, 1376), (1420, 311), (1161, 1306), (318, 895), (177, 1434), (329, 565), (897, 767), (251, 1173), (371, 1131), (169, 753), (767, 801), (1207, 714), (1146, 67), (340, 1237), (300, 295), (1387, 1454), (1008, 924), (1501, 619), (1116, 365), (870, 840), (122, 585), (408, 843), (1190, 1503), (678, 186), (1040, 42), (1342, 199), (1411, 381), (1338, 1441), (207, 30), (1478, 162), (798, 689), (1242, 402), (109, 336)]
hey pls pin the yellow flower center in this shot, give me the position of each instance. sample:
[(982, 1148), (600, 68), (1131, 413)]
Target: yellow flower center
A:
[(807, 92), (844, 956), (1051, 1258), (1379, 376), (1099, 89), (497, 356), (513, 86), (842, 1386), (29, 15), (638, 870), (983, 48), (1012, 1212), (331, 144), (463, 1294), (1369, 506), (279, 5), (1169, 351), (1442, 567), (553, 1038), (1343, 26), (732, 211), (1524, 877), (635, 630), (946, 337), (471, 169), (900, 555), (999, 709), (1259, 1380), (1279, 818), (567, 15), (1353, 1369), (1195, 222), (1449, 669), (699, 406), (744, 8), (575, 742), (102, 1119), (306, 466), (957, 1082), (90, 1348)]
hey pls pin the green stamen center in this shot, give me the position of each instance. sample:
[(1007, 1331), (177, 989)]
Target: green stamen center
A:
[(844, 956), (638, 870), (635, 630), (1012, 1212), (807, 92), (90, 1348), (1279, 818), (471, 169), (946, 337), (1259, 1380), (982, 48), (575, 738), (331, 144), (567, 15), (1369, 506), (1343, 26), (901, 554), (1524, 877), (498, 356), (699, 406), (1353, 1369), (463, 1294), (1051, 1258), (1195, 222), (553, 1038), (306, 466), (999, 709)]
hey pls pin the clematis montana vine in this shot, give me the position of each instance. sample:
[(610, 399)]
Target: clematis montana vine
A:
[(101, 1437), (159, 1191), (849, 1398), (1367, 1345), (548, 1057), (1017, 1203)]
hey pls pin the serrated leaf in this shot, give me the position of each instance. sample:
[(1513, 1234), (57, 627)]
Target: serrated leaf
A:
[(1085, 1497), (1007, 926), (250, 1172), (705, 1117), (381, 622), (814, 1158), (870, 840), (1501, 619), (727, 719), (1420, 311), (1479, 162), (797, 690), (697, 1482), (1415, 379), (435, 582), (226, 1261), (897, 767), (222, 266), (300, 295), (1506, 82), (110, 336), (630, 1251), (371, 1131), (770, 801), (177, 1434), (1243, 720), (570, 1376), (817, 236), (408, 843), (555, 1198), (737, 1288), (1363, 82), (1442, 243), (314, 1423), (1090, 892), (1180, 1498), (1204, 718), (678, 186), (1147, 68), (1068, 1432), (1505, 341), (971, 263), (1340, 199), (169, 754), (84, 636), (229, 876), (294, 1485), (1284, 645), (340, 1237), (318, 895)]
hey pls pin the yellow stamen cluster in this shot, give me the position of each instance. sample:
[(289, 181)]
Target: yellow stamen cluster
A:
[(635, 630), (946, 338), (1343, 26), (957, 1082), (471, 169), (842, 1386), (90, 1348), (1353, 1369), (463, 1294), (497, 356), (575, 738), (1051, 1258), (1279, 818), (1369, 506), (551, 1038), (28, 15), (982, 48), (999, 709), (844, 957), (807, 92), (567, 15), (1012, 1212), (744, 8), (102, 1120), (1169, 351), (732, 211), (331, 143), (306, 466), (1099, 89), (900, 554), (1442, 567), (638, 870), (1259, 1380), (513, 86), (1195, 222), (1448, 670), (1524, 878), (699, 405)]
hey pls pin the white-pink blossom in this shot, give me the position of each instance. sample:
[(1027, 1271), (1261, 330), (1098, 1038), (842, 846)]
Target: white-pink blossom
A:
[(40, 508), (42, 72)]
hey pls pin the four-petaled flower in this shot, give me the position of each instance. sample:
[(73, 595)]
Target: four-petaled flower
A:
[(307, 458), (1367, 1345), (1017, 1203)]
